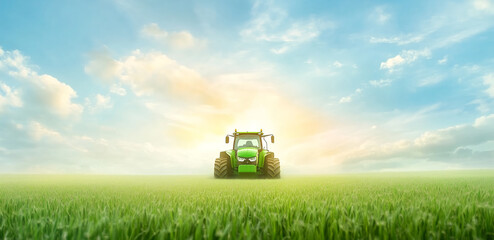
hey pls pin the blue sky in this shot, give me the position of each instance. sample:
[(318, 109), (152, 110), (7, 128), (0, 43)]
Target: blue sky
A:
[(152, 87)]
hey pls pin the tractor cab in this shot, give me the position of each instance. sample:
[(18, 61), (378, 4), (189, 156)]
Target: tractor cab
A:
[(247, 141)]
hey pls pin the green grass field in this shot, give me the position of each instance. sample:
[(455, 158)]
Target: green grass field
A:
[(435, 205)]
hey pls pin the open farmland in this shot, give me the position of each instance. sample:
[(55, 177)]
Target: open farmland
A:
[(437, 205)]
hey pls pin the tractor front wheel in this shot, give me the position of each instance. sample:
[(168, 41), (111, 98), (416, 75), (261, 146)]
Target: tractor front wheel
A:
[(272, 168), (222, 168)]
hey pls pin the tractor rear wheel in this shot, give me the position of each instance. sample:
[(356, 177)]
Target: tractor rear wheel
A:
[(272, 168), (222, 168)]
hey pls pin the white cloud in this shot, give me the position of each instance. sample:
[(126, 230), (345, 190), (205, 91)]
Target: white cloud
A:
[(103, 102), (489, 82), (346, 99), (99, 102), (19, 126), (180, 40), (349, 98), (443, 60), (392, 62), (38, 132), (15, 64), (54, 94), (102, 65), (483, 5), (381, 82), (9, 97), (380, 15), (406, 56), (431, 80), (412, 55), (366, 148), (156, 74), (337, 64), (457, 136), (397, 40), (43, 90), (482, 106), (117, 89), (437, 145), (280, 50)]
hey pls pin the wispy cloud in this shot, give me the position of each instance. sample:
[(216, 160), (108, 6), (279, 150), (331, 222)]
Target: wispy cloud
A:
[(381, 82), (431, 80), (443, 60), (483, 106), (337, 64), (99, 102), (380, 15), (180, 40), (484, 5), (280, 50), (489, 82), (346, 99), (118, 90), (397, 40), (271, 23), (350, 97), (39, 132), (457, 22), (405, 57)]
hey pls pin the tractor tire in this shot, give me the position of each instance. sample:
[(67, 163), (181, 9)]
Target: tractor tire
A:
[(272, 168), (222, 168)]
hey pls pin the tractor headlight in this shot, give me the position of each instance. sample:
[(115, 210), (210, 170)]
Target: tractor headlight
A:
[(246, 160)]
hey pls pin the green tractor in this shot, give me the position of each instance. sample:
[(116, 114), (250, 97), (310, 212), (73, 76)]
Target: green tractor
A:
[(249, 157)]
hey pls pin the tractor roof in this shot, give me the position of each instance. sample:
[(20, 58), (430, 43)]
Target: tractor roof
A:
[(249, 132), (260, 133)]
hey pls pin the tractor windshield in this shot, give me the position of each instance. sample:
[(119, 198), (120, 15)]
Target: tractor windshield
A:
[(242, 141)]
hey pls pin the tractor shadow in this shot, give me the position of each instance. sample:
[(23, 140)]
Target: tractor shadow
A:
[(246, 176)]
